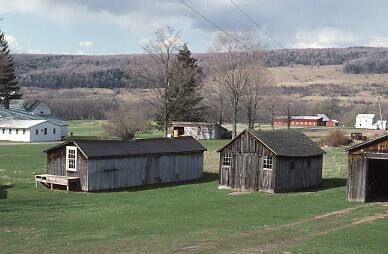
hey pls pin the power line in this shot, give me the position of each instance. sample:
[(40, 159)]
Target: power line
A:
[(262, 29), (256, 24), (228, 34), (216, 26)]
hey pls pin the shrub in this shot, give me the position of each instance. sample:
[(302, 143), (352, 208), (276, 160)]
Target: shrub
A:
[(126, 123), (336, 138)]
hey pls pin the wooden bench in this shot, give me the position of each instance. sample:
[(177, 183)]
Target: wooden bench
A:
[(56, 179)]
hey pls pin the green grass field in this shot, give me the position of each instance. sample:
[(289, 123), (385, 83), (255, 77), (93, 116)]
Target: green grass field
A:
[(189, 218)]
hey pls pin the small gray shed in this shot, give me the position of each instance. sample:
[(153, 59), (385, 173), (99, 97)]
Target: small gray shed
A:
[(112, 164), (200, 130), (270, 161)]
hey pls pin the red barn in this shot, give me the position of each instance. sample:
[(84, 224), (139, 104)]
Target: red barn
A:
[(301, 121), (332, 123)]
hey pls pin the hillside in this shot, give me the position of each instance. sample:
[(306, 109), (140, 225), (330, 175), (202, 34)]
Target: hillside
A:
[(118, 71)]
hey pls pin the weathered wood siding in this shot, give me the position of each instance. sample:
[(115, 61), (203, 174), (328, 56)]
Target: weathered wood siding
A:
[(245, 172), (56, 165), (307, 173), (357, 170), (112, 173), (356, 182)]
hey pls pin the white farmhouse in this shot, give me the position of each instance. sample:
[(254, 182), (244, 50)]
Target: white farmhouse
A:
[(369, 121), (30, 121)]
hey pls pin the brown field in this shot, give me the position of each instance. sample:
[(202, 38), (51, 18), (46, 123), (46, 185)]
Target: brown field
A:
[(356, 87)]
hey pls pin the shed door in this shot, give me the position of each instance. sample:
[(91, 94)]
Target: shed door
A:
[(266, 166), (376, 180)]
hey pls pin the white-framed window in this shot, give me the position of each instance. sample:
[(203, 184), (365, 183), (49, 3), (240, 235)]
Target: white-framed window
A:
[(17, 131), (226, 160), (71, 158), (9, 131), (54, 130), (37, 132), (24, 131), (267, 162), (3, 131)]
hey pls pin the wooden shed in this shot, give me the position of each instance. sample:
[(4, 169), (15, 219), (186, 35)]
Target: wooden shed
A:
[(271, 161), (200, 130), (112, 164), (368, 171)]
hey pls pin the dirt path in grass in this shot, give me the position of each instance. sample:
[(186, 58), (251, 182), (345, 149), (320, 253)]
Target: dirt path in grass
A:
[(270, 238)]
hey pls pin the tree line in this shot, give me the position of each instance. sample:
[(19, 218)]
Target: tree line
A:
[(126, 71)]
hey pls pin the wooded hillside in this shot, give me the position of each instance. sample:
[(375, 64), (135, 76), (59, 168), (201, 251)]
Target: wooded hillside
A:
[(119, 71)]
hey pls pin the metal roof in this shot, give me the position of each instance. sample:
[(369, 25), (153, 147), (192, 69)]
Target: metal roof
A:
[(325, 118), (366, 115), (176, 123), (28, 105), (16, 113), (120, 148), (301, 117), (288, 143), (22, 124)]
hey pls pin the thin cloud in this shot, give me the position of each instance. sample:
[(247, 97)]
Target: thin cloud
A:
[(86, 44), (294, 23)]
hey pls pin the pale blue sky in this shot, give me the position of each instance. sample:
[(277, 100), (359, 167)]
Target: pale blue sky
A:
[(122, 26)]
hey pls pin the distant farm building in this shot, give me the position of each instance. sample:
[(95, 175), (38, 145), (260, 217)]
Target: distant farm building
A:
[(200, 130), (369, 121), (271, 161), (316, 120), (30, 121), (92, 165), (368, 171)]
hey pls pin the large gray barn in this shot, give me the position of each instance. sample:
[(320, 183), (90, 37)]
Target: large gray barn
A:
[(111, 164), (271, 161)]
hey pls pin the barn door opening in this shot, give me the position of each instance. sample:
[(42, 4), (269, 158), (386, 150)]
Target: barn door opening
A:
[(178, 131), (377, 180)]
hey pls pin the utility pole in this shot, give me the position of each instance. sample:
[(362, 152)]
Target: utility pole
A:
[(89, 124), (381, 115)]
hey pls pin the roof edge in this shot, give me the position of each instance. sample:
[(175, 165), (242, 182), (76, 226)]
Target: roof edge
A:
[(352, 148)]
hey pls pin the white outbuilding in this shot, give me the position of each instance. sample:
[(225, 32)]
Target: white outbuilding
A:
[(29, 130), (30, 121)]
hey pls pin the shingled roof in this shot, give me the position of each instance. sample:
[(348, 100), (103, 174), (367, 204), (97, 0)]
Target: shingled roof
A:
[(287, 143), (120, 148)]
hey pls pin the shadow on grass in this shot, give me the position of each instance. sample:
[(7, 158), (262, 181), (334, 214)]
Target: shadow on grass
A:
[(207, 177), (3, 191), (328, 183)]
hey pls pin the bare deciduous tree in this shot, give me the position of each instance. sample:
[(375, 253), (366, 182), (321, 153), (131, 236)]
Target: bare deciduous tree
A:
[(162, 50), (232, 66), (126, 123), (255, 96)]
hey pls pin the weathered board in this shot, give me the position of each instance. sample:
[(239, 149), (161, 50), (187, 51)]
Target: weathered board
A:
[(116, 173)]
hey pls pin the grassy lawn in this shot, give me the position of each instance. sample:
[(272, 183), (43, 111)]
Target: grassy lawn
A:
[(189, 218), (94, 129)]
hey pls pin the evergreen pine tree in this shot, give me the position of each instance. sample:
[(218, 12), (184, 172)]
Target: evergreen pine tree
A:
[(186, 87), (9, 87)]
